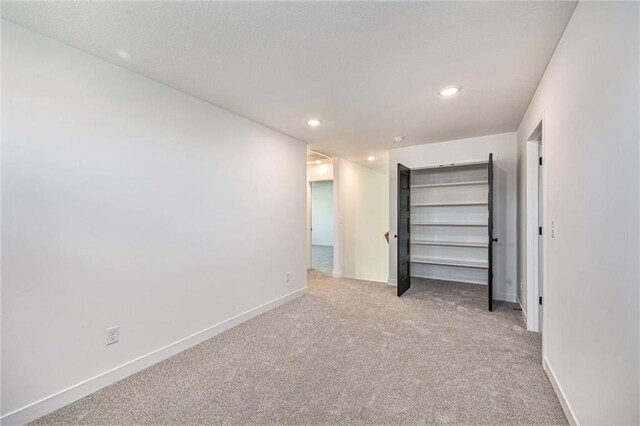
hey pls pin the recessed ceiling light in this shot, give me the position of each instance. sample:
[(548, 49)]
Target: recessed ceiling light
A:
[(398, 139), (450, 91), (314, 122), (371, 158), (318, 162)]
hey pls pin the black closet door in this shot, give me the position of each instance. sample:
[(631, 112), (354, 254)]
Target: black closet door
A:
[(491, 239), (403, 229)]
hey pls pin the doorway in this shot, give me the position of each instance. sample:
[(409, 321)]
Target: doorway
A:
[(322, 226), (536, 229), (445, 224)]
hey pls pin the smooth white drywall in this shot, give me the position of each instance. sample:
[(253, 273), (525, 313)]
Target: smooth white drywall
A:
[(322, 213), (503, 147), (125, 202), (323, 171), (589, 97), (363, 205)]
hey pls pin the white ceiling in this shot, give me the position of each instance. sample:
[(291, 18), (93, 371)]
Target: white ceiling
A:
[(369, 70)]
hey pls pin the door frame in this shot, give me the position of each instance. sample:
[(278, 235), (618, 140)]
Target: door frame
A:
[(310, 216), (337, 243), (536, 179), (402, 169), (491, 233)]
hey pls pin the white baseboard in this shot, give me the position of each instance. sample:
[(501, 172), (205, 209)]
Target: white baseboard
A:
[(568, 412), (336, 274), (64, 397), (393, 282)]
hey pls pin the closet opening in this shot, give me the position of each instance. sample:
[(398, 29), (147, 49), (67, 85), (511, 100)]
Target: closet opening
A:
[(445, 224)]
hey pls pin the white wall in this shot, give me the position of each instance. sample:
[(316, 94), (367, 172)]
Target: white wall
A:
[(322, 213), (503, 147), (589, 97), (363, 205), (128, 203), (323, 171)]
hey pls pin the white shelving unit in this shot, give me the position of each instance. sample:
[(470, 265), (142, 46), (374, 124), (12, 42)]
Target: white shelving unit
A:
[(449, 184), (451, 262), (446, 204), (449, 222), (450, 243)]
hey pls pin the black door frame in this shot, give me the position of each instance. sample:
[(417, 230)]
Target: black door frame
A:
[(403, 236)]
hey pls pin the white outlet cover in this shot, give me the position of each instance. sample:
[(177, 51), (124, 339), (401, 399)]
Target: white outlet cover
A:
[(113, 335)]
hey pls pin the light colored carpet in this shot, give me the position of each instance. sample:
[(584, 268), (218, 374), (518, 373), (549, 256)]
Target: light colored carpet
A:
[(347, 352), (322, 259)]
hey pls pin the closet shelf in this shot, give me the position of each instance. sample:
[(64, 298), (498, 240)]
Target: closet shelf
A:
[(450, 184), (440, 278), (448, 224), (451, 243), (450, 262), (451, 204)]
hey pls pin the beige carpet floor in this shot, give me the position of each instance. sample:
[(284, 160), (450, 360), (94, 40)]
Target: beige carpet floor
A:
[(347, 352)]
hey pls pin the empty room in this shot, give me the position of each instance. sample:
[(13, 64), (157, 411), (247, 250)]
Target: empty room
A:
[(328, 212)]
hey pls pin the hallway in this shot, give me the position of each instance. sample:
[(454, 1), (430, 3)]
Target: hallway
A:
[(322, 259), (347, 352)]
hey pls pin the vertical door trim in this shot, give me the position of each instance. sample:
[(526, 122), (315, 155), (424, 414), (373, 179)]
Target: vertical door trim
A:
[(337, 226), (399, 229), (490, 235), (535, 184)]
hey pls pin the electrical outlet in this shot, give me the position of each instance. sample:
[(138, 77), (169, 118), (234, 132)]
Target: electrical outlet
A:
[(287, 276), (113, 334)]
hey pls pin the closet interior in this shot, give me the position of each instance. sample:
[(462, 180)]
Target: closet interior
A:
[(450, 212)]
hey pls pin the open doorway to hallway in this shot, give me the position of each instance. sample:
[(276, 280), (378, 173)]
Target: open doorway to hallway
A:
[(321, 206), (359, 219), (322, 226)]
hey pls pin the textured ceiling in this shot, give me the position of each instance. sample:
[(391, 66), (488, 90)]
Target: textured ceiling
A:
[(369, 70)]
